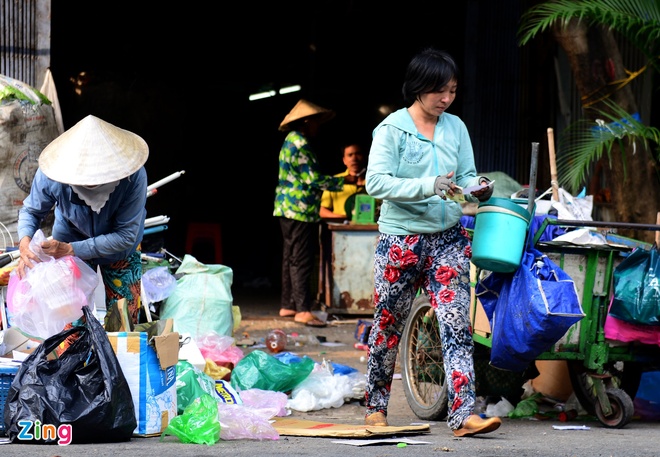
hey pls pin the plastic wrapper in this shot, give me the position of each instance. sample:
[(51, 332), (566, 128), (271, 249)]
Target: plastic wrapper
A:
[(220, 349), (241, 422), (257, 398), (158, 284)]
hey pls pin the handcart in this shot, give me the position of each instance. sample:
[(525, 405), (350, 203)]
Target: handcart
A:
[(604, 374)]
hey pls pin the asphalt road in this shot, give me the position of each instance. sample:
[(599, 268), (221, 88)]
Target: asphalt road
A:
[(520, 437)]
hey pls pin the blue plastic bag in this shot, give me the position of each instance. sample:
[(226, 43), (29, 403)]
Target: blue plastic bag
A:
[(529, 310)]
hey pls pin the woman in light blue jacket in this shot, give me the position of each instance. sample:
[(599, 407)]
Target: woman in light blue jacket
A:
[(419, 155)]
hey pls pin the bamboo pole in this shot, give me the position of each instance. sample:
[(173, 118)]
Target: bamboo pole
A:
[(553, 165)]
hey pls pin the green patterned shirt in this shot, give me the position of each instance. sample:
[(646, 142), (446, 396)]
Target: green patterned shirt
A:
[(300, 185)]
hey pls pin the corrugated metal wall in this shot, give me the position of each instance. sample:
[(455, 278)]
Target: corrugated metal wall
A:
[(25, 40), (494, 108)]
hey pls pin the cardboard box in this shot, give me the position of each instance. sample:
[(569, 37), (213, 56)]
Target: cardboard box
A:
[(553, 380), (150, 370), (480, 323)]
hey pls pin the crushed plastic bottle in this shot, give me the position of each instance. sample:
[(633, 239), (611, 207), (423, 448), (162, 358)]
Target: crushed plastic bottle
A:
[(276, 340)]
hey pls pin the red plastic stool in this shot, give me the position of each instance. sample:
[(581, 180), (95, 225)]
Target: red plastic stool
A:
[(207, 232)]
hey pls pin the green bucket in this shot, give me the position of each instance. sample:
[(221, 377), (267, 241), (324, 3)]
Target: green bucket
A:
[(500, 232)]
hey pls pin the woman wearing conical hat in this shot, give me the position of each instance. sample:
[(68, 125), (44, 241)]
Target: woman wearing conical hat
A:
[(93, 176), (297, 205)]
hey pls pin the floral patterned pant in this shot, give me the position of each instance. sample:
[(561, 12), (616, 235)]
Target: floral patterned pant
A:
[(440, 263), (121, 280)]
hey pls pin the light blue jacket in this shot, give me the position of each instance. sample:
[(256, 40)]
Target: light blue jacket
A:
[(103, 238), (402, 169)]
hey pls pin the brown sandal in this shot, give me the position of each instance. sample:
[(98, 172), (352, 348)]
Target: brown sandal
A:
[(316, 323), (376, 419)]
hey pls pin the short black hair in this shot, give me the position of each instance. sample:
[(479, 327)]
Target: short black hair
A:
[(428, 71), (349, 142)]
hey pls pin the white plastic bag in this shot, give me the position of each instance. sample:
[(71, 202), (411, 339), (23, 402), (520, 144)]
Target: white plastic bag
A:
[(322, 389), (51, 295), (573, 208)]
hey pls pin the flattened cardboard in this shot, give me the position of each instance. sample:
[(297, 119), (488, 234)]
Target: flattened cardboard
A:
[(301, 427)]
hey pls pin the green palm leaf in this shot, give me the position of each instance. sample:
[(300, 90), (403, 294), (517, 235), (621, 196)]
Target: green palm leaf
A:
[(585, 142), (636, 20)]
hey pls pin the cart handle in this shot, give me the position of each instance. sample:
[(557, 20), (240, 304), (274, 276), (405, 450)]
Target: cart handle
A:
[(572, 223)]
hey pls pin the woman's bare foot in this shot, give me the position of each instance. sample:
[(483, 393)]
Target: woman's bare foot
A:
[(304, 317)]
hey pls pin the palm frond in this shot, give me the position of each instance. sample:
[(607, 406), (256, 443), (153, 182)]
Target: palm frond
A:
[(637, 20), (583, 143)]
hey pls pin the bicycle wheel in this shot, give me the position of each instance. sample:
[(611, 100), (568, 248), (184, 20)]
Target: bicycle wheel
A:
[(423, 372)]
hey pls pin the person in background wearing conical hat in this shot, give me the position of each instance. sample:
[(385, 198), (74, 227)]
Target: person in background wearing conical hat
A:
[(94, 177), (297, 205)]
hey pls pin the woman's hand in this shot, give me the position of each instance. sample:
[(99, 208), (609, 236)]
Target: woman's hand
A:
[(27, 259), (52, 248), (485, 193), (444, 186), (56, 248)]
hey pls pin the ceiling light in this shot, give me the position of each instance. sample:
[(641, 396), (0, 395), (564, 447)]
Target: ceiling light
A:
[(260, 95), (289, 89)]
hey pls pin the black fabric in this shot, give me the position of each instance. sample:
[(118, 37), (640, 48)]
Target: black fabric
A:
[(300, 245)]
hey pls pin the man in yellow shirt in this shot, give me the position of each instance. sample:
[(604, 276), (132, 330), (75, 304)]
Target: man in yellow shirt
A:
[(333, 202)]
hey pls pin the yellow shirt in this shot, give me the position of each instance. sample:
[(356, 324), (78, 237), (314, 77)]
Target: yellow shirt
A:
[(336, 201)]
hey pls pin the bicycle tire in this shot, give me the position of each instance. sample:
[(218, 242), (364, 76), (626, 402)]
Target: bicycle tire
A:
[(423, 374)]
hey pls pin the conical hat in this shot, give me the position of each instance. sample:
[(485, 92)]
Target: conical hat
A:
[(305, 109), (93, 152)]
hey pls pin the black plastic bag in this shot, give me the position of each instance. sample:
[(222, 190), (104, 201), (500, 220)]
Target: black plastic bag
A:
[(83, 394), (637, 288)]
